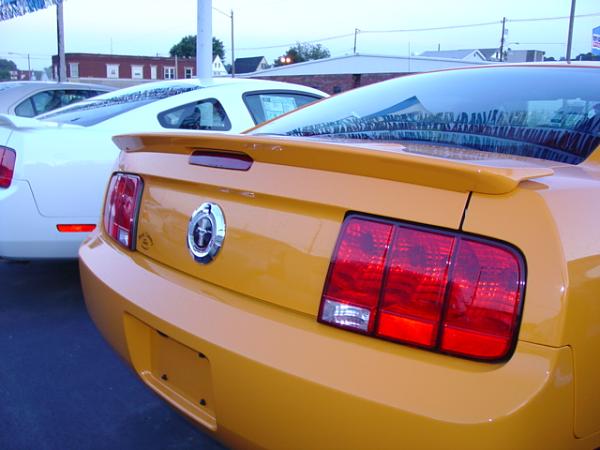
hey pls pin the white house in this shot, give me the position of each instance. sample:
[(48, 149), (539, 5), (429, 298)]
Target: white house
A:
[(218, 69)]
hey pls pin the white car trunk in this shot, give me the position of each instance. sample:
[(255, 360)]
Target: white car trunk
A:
[(77, 182), (80, 162)]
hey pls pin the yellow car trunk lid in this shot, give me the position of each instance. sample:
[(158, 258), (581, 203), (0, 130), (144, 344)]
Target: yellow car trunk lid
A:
[(283, 215)]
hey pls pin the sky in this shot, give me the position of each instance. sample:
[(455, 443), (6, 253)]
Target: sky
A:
[(269, 27)]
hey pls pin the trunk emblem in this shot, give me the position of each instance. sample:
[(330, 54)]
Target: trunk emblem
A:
[(206, 232)]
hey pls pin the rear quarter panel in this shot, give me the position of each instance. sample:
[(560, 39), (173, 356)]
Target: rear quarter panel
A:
[(555, 222)]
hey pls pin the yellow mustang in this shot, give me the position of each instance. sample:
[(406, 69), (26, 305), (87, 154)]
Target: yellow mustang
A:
[(413, 264)]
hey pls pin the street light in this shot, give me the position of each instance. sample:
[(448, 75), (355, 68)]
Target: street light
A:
[(285, 60)]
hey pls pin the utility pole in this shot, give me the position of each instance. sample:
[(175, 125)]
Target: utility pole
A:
[(356, 30), (502, 39), (29, 66), (204, 40), (570, 36), (232, 49), (60, 36)]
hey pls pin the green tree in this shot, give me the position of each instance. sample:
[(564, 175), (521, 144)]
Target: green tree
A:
[(302, 52), (587, 57), (5, 67), (186, 48)]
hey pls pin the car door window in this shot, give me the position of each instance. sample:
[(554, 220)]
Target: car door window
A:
[(74, 95), (267, 105), (205, 114), (47, 101)]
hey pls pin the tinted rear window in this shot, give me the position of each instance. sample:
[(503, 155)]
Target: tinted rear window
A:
[(543, 112), (98, 109)]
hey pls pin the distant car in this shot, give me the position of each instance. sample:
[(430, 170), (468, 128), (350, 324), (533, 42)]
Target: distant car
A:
[(31, 98), (413, 264), (53, 169)]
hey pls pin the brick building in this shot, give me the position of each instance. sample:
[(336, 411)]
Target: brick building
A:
[(127, 68)]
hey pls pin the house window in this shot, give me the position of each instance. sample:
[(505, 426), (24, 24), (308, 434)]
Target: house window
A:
[(74, 70), (263, 66), (189, 72), (169, 73), (153, 75), (112, 71), (137, 72)]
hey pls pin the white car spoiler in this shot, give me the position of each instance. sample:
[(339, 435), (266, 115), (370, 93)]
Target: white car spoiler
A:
[(20, 123)]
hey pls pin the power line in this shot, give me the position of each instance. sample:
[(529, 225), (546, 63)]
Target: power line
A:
[(448, 27), (539, 19), (13, 55), (413, 30), (330, 38)]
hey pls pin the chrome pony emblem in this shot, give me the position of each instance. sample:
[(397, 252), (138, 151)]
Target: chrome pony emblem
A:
[(206, 232)]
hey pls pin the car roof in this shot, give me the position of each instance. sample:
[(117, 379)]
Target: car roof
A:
[(184, 91), (35, 85), (240, 83)]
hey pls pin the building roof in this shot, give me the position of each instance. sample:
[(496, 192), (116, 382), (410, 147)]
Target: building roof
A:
[(247, 65), (488, 53), (361, 63), (455, 54)]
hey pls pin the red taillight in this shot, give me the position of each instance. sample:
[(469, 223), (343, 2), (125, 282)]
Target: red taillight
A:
[(413, 293), (121, 208), (483, 300), (351, 296), (444, 291), (75, 227), (7, 166)]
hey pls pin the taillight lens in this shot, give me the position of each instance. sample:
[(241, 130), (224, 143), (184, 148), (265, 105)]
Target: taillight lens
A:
[(7, 166), (121, 208), (448, 292), (351, 296)]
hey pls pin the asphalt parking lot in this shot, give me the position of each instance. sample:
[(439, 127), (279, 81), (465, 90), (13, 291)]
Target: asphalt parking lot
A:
[(61, 386)]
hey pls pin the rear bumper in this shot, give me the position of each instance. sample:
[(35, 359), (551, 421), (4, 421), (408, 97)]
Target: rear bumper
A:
[(26, 234), (268, 377)]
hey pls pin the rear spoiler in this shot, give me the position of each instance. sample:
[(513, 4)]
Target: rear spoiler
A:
[(385, 161), (17, 122)]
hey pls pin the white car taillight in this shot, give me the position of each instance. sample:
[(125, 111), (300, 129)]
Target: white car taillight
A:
[(121, 208), (7, 166)]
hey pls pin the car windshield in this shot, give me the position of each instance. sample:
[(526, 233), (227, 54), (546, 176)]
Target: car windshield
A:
[(106, 106), (547, 112)]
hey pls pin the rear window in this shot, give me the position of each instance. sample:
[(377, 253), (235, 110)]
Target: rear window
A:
[(267, 105), (550, 113), (207, 114), (101, 108), (51, 99)]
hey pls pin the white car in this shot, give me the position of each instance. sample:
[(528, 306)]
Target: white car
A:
[(54, 168), (31, 98)]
